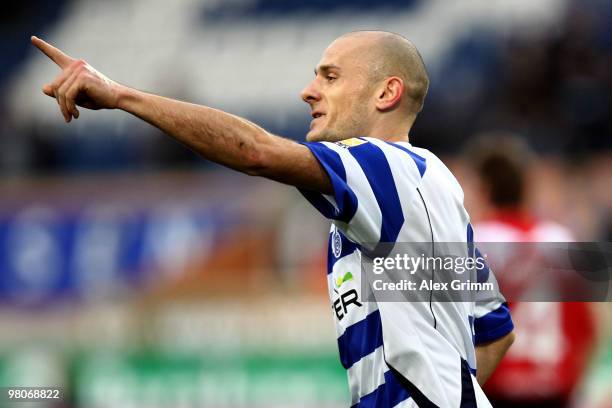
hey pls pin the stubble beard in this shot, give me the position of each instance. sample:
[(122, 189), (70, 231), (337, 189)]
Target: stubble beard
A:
[(352, 126)]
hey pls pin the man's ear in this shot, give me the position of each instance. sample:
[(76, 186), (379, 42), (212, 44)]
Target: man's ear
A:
[(389, 94)]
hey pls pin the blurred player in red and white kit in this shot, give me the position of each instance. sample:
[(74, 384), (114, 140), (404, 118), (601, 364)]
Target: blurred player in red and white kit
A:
[(553, 340)]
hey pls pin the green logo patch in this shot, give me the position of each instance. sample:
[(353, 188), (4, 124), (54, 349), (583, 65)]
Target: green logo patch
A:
[(347, 277)]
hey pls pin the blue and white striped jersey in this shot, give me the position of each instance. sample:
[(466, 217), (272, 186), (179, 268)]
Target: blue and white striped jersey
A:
[(400, 354)]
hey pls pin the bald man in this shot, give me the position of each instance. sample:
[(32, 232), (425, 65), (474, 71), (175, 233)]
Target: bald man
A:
[(359, 170)]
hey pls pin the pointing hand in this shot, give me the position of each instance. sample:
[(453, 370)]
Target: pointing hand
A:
[(78, 84)]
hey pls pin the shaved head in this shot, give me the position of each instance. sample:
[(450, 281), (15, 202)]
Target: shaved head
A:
[(388, 54), (366, 83)]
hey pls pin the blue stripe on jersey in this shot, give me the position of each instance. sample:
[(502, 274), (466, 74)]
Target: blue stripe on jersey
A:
[(360, 339), (388, 394), (470, 240), (420, 161), (378, 172), (471, 323), (468, 395), (345, 197), (493, 325), (482, 274), (348, 247)]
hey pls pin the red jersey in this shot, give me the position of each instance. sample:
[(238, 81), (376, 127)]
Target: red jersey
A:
[(553, 340)]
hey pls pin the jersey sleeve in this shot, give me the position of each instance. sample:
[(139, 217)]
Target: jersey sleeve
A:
[(342, 205), (365, 204), (492, 324), (492, 319)]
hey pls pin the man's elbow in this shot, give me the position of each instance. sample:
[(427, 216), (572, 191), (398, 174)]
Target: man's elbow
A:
[(266, 159), (255, 163), (260, 155)]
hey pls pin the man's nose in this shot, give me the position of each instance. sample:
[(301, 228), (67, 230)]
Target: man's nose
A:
[(310, 93)]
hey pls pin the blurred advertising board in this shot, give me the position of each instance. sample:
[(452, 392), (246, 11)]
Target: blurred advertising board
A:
[(272, 352), (174, 380), (96, 236)]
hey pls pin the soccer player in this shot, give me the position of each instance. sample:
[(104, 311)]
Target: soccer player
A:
[(555, 340), (360, 171)]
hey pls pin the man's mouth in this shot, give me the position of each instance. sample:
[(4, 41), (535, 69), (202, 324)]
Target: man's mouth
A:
[(316, 115)]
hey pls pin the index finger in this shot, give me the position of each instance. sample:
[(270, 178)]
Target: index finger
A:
[(50, 51)]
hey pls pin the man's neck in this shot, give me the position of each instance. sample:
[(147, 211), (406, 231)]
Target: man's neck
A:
[(391, 136), (392, 132)]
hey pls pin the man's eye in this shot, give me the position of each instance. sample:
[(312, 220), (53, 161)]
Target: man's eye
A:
[(330, 78)]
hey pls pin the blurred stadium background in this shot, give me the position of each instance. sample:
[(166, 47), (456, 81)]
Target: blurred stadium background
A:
[(135, 274)]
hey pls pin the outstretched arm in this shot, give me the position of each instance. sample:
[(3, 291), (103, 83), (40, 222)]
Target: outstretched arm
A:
[(489, 355), (216, 135)]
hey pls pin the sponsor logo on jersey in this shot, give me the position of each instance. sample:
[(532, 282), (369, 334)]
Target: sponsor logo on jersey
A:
[(342, 279), (345, 299), (342, 303), (350, 142)]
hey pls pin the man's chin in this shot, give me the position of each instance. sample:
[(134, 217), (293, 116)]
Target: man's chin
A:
[(314, 136), (320, 136)]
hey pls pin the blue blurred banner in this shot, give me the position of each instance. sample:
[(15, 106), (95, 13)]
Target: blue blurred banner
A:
[(93, 246), (46, 253)]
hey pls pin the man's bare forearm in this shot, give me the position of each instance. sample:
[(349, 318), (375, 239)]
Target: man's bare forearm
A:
[(489, 355), (228, 139), (216, 135)]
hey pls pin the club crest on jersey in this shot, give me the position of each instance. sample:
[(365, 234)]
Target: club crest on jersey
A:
[(350, 142), (336, 243)]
